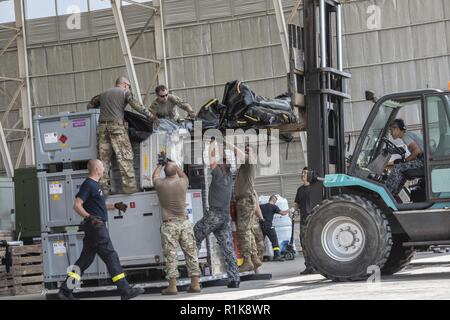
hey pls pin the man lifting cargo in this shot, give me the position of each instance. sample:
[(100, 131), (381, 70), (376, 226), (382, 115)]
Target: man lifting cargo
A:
[(112, 133), (217, 219), (246, 206), (165, 105), (90, 204), (176, 229)]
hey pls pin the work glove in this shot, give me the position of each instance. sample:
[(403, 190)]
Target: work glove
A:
[(191, 115), (156, 122), (121, 206), (161, 160)]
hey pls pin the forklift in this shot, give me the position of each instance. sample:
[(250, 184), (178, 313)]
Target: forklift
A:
[(356, 224)]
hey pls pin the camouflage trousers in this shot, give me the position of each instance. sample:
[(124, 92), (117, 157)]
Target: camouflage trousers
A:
[(259, 238), (217, 221), (179, 232), (396, 179), (113, 138), (245, 220)]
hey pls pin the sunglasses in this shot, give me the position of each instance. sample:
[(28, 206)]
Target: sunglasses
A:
[(163, 96)]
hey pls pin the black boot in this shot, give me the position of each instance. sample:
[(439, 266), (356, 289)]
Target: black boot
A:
[(132, 293), (233, 284), (126, 291), (277, 256), (308, 270), (65, 295)]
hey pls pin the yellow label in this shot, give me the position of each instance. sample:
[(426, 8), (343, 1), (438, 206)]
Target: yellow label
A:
[(56, 197), (63, 145), (64, 124), (145, 162)]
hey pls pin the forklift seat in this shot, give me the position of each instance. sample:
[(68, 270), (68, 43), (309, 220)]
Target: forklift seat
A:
[(414, 173)]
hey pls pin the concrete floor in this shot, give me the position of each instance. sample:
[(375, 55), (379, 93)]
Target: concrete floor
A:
[(427, 277)]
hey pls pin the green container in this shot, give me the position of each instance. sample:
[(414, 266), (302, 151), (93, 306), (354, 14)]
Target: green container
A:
[(28, 221), (6, 203)]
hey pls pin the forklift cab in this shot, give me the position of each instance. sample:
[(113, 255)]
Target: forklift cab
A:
[(375, 149)]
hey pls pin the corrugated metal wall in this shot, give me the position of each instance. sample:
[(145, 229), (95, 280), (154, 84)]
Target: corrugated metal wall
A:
[(410, 51), (210, 42)]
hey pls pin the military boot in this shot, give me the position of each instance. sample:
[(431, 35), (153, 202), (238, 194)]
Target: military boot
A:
[(195, 285), (247, 265), (171, 289), (132, 293), (277, 256), (256, 261)]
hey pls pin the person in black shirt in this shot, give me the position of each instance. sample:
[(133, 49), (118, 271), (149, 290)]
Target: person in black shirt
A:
[(90, 204), (268, 211), (302, 202)]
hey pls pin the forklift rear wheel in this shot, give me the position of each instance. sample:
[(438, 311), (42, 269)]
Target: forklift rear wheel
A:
[(346, 235), (399, 256)]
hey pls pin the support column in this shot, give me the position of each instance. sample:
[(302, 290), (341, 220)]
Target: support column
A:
[(6, 157), (25, 96), (126, 51), (160, 43), (282, 30)]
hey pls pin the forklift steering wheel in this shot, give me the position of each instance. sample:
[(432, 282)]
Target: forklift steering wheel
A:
[(392, 148)]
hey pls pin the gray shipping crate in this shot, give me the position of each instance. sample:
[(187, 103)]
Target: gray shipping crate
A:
[(136, 233), (62, 250), (7, 204), (57, 194), (66, 137)]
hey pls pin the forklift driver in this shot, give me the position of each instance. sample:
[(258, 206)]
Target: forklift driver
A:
[(415, 160)]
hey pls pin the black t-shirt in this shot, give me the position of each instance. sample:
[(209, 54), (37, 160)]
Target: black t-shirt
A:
[(302, 198), (93, 200), (268, 210)]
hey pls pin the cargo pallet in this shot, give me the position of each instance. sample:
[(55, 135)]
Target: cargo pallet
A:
[(157, 286), (6, 235), (24, 272)]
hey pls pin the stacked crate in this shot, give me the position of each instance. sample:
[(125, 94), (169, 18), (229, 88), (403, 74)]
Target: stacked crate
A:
[(64, 144), (5, 235), (21, 271), (3, 276)]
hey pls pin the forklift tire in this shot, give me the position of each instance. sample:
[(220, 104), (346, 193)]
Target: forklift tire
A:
[(345, 235), (399, 257)]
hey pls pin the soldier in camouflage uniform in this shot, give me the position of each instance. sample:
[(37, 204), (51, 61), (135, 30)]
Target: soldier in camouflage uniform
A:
[(258, 233), (176, 229), (217, 219), (112, 133), (245, 195), (164, 106)]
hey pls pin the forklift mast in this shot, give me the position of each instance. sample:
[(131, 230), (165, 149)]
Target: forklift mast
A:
[(317, 85)]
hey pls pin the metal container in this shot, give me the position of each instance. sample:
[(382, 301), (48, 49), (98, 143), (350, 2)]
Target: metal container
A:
[(28, 224), (171, 143), (6, 204), (62, 250), (66, 137), (136, 233), (57, 192)]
